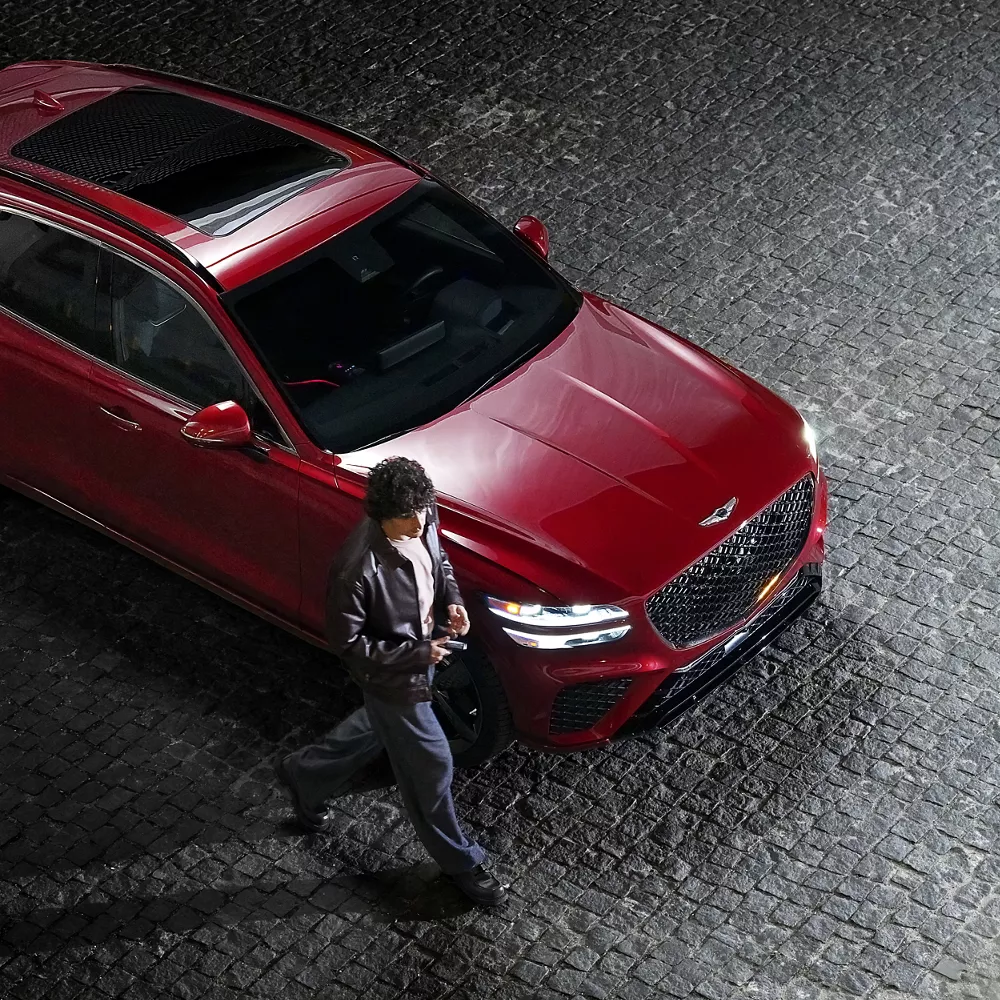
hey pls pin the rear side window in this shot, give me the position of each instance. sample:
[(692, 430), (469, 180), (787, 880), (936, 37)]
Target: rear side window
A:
[(161, 338), (50, 278)]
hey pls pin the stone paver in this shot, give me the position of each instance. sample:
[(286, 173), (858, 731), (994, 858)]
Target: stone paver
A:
[(809, 190)]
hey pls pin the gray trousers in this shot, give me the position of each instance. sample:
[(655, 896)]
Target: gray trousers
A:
[(421, 761)]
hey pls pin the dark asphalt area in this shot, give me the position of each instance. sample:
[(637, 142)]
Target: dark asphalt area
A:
[(809, 190)]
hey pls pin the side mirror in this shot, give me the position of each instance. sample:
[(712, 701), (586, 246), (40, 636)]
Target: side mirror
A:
[(534, 233), (221, 425)]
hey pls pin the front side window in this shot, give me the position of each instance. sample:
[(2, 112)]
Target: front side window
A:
[(400, 318), (49, 277), (161, 338)]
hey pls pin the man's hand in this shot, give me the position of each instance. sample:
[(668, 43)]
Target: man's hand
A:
[(458, 619), (438, 652)]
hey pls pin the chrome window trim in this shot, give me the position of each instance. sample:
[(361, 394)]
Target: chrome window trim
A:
[(48, 334), (285, 445)]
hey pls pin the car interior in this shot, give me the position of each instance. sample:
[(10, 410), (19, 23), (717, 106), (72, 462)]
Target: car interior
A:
[(370, 331), (49, 277), (161, 338)]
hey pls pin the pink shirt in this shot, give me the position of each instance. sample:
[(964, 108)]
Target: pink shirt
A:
[(415, 550)]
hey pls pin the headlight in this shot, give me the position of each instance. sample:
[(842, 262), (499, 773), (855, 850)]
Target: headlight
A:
[(535, 614), (561, 627), (809, 436)]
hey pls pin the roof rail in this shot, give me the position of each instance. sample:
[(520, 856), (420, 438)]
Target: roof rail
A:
[(126, 223), (266, 102)]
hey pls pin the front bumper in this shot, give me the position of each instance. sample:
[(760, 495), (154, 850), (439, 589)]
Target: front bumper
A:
[(683, 687), (580, 699)]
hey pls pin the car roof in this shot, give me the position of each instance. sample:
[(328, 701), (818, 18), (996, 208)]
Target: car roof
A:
[(36, 95)]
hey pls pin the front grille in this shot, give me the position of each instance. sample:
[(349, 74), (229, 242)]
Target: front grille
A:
[(723, 587), (580, 706), (682, 688)]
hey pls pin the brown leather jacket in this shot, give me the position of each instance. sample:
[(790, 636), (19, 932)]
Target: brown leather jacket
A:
[(372, 615)]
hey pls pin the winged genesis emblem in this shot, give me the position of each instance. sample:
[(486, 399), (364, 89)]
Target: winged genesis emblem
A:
[(720, 513)]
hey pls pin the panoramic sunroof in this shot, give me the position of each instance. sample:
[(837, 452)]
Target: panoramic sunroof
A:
[(215, 168)]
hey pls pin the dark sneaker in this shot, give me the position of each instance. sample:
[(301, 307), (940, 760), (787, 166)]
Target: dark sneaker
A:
[(480, 886), (313, 821)]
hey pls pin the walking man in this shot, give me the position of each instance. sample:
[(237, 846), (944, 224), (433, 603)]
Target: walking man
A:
[(390, 584)]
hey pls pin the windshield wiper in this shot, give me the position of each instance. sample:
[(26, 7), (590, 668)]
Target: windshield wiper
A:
[(388, 437), (505, 371), (492, 380)]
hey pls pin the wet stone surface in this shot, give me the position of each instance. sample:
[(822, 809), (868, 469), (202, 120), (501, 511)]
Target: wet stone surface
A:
[(809, 191)]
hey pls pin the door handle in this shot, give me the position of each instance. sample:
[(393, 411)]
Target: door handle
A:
[(120, 416)]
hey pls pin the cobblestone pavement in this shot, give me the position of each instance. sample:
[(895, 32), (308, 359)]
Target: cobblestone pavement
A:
[(809, 190)]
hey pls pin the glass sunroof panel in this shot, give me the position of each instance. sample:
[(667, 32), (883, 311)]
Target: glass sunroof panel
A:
[(213, 167)]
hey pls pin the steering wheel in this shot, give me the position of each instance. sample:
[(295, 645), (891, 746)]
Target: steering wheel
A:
[(423, 282)]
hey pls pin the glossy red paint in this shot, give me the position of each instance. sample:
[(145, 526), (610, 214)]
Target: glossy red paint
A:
[(580, 478), (641, 655), (615, 423), (44, 399), (221, 425), (534, 233), (220, 512), (292, 228)]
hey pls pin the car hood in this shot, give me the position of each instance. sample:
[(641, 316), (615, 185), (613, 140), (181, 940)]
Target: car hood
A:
[(605, 451)]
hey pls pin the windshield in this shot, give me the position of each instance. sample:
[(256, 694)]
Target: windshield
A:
[(400, 318)]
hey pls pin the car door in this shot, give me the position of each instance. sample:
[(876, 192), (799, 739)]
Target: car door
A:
[(48, 336), (228, 515)]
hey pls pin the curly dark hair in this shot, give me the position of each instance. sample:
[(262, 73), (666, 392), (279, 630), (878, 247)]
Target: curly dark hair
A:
[(397, 487)]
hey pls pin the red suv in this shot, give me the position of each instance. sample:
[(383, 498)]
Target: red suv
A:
[(216, 314)]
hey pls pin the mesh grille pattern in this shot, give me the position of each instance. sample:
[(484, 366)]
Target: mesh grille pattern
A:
[(722, 588), (688, 680), (140, 136), (580, 706)]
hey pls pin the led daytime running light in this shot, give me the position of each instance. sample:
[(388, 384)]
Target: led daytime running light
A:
[(552, 640)]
